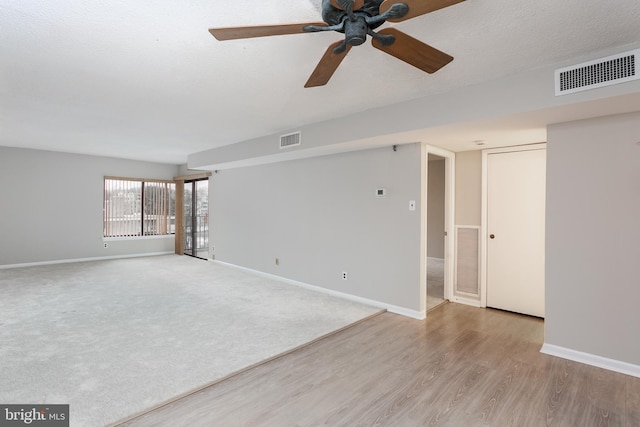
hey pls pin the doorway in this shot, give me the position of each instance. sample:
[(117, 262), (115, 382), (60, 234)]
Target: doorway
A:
[(436, 230), (438, 198), (514, 229), (196, 218)]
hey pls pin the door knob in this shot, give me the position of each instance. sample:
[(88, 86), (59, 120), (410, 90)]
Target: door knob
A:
[(492, 236)]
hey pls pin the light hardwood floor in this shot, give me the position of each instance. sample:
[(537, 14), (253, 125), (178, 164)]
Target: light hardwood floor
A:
[(463, 366), (435, 282)]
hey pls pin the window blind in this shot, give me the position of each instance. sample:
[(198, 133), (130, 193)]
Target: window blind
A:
[(134, 207)]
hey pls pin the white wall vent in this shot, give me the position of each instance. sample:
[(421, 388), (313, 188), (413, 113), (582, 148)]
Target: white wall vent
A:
[(601, 72), (290, 140)]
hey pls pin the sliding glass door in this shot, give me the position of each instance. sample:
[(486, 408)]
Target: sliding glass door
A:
[(196, 218)]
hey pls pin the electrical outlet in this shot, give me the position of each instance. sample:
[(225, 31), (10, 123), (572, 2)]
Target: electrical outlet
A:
[(344, 275), (106, 245)]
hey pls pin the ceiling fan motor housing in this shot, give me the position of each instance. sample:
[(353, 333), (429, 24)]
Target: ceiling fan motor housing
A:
[(334, 16)]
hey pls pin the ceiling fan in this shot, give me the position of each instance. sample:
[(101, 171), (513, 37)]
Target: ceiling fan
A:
[(357, 19)]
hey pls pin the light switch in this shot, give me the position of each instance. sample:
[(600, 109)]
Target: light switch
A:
[(412, 205)]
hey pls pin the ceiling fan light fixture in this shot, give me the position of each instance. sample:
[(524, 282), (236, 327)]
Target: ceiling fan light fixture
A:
[(355, 32)]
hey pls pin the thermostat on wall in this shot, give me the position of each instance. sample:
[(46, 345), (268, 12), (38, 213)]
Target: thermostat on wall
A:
[(381, 192)]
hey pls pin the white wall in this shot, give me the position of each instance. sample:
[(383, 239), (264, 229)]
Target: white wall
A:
[(593, 237), (508, 96), (320, 217), (52, 206)]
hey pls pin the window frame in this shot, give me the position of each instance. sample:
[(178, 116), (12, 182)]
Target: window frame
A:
[(141, 233)]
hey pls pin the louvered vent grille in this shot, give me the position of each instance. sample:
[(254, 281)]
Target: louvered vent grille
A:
[(290, 140), (601, 72), (467, 274)]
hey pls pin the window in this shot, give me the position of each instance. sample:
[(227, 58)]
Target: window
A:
[(137, 207)]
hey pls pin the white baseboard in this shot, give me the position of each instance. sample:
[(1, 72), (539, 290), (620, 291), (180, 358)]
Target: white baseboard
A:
[(415, 314), (591, 359), (66, 261)]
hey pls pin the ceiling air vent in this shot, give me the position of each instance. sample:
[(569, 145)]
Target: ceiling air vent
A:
[(601, 72), (290, 140)]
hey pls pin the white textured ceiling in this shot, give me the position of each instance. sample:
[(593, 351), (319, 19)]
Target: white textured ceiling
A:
[(145, 80)]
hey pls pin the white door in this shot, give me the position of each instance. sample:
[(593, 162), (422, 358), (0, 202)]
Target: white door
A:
[(515, 231)]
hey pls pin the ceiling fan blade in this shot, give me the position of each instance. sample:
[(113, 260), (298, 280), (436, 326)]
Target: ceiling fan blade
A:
[(327, 66), (233, 33), (413, 51), (357, 4), (417, 7)]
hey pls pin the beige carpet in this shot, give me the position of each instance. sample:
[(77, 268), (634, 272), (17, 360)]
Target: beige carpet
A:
[(114, 338)]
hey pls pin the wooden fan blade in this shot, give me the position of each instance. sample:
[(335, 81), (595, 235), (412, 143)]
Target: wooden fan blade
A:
[(357, 4), (327, 66), (413, 51), (417, 7), (233, 33)]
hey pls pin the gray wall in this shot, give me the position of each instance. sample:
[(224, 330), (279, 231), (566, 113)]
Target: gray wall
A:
[(320, 217), (593, 237), (435, 208), (52, 206)]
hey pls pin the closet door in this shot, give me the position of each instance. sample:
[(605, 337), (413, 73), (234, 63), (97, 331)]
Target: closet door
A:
[(516, 231)]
